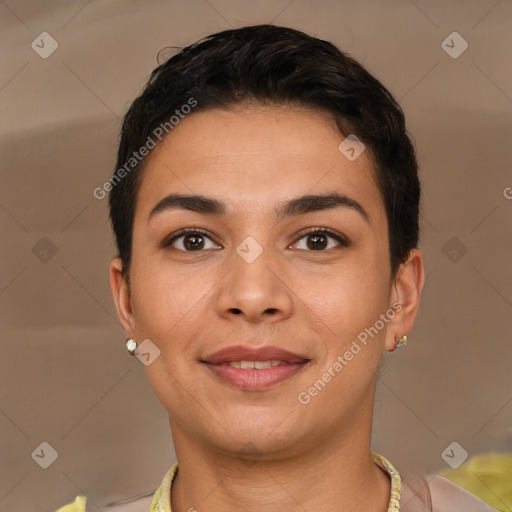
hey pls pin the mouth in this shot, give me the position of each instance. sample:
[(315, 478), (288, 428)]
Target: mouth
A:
[(254, 369)]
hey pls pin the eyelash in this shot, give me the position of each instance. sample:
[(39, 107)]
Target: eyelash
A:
[(312, 231)]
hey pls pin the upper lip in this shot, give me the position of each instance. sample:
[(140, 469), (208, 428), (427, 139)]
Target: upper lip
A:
[(241, 353)]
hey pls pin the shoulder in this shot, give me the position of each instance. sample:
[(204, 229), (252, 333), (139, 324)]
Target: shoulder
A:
[(138, 505), (157, 500), (448, 496), (435, 493)]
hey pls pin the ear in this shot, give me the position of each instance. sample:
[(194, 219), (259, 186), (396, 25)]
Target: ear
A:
[(407, 289), (121, 295)]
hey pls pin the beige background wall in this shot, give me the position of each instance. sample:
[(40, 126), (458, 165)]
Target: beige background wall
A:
[(65, 376)]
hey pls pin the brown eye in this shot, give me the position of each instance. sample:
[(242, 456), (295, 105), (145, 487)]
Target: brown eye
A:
[(317, 241), (191, 241), (320, 240)]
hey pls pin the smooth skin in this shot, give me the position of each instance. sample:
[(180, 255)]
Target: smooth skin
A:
[(309, 294)]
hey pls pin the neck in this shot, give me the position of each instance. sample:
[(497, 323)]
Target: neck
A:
[(339, 474)]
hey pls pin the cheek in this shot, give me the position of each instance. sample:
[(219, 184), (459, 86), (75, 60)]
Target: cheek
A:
[(166, 298), (344, 301), (168, 306)]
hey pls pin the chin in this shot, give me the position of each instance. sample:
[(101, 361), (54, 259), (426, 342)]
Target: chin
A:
[(260, 440)]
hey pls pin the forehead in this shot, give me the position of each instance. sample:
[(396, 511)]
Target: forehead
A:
[(251, 157)]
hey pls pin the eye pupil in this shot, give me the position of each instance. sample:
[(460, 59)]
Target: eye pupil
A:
[(320, 241), (193, 241)]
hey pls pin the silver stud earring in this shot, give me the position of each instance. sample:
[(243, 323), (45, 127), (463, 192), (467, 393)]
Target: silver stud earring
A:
[(401, 342), (131, 346)]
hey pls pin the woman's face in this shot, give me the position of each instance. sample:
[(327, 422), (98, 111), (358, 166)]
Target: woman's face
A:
[(256, 275)]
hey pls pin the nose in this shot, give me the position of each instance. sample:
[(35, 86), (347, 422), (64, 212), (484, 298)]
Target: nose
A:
[(255, 291)]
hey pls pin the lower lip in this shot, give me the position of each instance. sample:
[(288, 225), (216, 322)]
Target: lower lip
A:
[(256, 379)]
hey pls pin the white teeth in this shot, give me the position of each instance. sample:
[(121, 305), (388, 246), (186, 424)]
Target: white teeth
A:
[(258, 365)]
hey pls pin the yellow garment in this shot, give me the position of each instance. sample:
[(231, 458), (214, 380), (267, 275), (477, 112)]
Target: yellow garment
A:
[(77, 506), (487, 476), (162, 498)]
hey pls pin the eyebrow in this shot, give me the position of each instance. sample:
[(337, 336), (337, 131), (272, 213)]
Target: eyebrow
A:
[(297, 206)]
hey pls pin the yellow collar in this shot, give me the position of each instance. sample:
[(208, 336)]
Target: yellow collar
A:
[(162, 498)]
